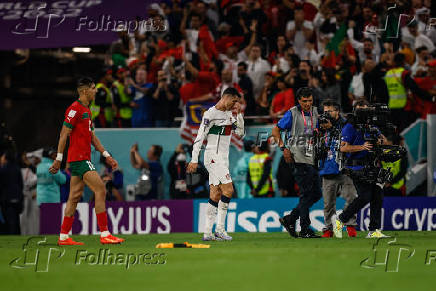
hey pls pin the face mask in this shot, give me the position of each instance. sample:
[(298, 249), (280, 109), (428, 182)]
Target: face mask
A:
[(181, 158)]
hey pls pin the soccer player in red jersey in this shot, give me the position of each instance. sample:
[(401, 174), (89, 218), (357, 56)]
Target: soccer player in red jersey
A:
[(78, 126)]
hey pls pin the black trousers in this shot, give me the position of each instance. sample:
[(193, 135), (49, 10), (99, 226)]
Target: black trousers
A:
[(309, 182), (11, 213), (366, 193)]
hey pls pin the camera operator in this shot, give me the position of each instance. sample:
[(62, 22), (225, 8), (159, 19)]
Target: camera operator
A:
[(301, 123), (357, 151), (333, 182)]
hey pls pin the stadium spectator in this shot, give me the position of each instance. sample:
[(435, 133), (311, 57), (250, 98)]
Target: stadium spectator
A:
[(11, 192), (361, 82), (415, 38), (122, 48), (428, 83), (48, 185), (398, 80), (230, 60), (246, 86), (259, 174), (299, 78), (152, 170), (103, 114), (267, 94), (226, 82), (282, 101), (279, 51), (204, 82), (164, 98), (240, 171), (139, 89), (122, 99), (257, 68), (419, 68), (329, 85), (299, 31), (29, 218)]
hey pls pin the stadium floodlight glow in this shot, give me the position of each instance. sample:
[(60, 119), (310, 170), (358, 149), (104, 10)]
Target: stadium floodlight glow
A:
[(81, 49)]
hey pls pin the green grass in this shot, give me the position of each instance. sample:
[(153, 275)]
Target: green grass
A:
[(253, 261)]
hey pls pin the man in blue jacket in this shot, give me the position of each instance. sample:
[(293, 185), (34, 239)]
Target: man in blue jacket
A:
[(333, 182), (48, 185)]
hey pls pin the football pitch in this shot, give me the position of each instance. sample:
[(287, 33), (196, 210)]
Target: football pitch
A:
[(252, 261)]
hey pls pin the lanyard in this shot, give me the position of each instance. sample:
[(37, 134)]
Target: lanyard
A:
[(305, 122)]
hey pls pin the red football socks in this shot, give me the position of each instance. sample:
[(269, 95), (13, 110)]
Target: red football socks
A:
[(67, 224), (102, 221)]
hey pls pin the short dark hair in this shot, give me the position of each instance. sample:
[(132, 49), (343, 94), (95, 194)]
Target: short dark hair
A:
[(232, 91), (304, 92), (399, 59), (85, 81), (367, 39), (362, 102), (248, 145), (157, 150), (47, 152), (243, 64), (421, 48), (331, 103), (264, 146)]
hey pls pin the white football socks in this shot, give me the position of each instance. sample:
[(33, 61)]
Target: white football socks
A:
[(211, 212), (222, 213), (63, 236)]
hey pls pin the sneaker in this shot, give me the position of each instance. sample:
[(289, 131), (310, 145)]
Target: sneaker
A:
[(327, 233), (289, 228), (222, 235), (376, 234), (69, 242), (208, 237), (351, 230), (337, 228), (110, 239), (309, 234)]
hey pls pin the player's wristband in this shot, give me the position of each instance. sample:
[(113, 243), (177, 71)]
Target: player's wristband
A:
[(59, 157), (106, 154)]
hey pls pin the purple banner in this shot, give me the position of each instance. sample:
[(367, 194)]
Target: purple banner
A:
[(46, 24), (123, 217)]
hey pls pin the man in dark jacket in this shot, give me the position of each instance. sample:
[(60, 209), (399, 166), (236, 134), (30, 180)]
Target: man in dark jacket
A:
[(11, 192)]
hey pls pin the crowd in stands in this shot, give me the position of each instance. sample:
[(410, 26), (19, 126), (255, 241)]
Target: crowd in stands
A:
[(268, 50)]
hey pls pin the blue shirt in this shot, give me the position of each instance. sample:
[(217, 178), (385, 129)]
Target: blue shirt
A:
[(141, 116), (330, 166), (354, 137)]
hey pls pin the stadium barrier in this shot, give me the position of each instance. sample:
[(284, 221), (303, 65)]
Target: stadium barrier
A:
[(244, 215)]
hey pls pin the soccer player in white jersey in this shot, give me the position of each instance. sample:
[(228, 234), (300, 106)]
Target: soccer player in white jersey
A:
[(217, 125)]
